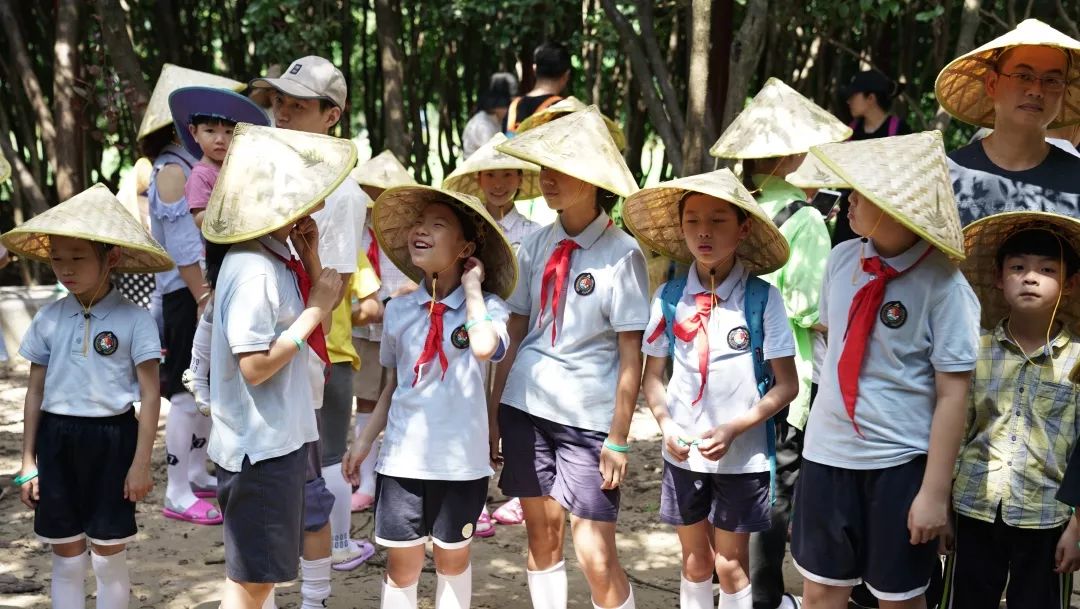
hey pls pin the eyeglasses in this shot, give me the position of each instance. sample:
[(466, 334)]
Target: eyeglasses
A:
[(1055, 84)]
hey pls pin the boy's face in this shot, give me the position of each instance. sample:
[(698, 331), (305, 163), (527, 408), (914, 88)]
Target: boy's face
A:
[(436, 240), (79, 265), (1018, 102), (1032, 283), (499, 185), (214, 139), (711, 228), (864, 216), (303, 114), (562, 191)]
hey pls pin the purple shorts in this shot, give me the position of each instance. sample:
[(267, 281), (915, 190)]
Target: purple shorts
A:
[(738, 503), (318, 500), (543, 458)]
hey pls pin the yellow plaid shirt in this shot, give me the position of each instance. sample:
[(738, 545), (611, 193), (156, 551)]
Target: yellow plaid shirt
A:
[(1021, 426)]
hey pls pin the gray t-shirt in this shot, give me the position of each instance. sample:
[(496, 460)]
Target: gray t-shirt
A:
[(983, 189)]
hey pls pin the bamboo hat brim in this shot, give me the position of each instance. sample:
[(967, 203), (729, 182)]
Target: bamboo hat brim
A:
[(382, 171), (960, 86), (5, 169), (779, 121), (272, 178), (814, 173), (566, 106), (466, 177), (174, 77), (397, 210), (578, 145), (652, 214), (982, 240), (94, 214)]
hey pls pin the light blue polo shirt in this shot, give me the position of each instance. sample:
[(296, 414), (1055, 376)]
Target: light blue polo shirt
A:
[(257, 299), (92, 377)]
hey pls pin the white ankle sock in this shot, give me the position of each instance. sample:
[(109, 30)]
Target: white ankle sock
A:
[(113, 580), (367, 467), (200, 437), (398, 598), (695, 595), (179, 427), (315, 587), (547, 588), (739, 600), (454, 591), (341, 513), (69, 581), (629, 602), (787, 603)]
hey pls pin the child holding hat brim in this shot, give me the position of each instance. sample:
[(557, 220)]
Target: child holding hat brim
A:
[(93, 354), (885, 426), (727, 333), (434, 464), (569, 383)]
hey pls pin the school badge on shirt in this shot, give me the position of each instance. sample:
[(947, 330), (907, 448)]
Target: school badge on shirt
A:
[(460, 337), (739, 339), (584, 284), (893, 314), (105, 343)]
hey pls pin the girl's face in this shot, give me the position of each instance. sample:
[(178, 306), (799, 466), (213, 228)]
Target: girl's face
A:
[(712, 229), (80, 265), (214, 139), (562, 192), (437, 240), (858, 104), (499, 186), (863, 215)]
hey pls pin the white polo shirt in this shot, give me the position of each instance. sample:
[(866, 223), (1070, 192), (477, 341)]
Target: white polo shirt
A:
[(256, 300), (96, 379), (607, 292), (516, 227), (391, 279), (731, 389), (436, 429), (341, 226), (928, 322)]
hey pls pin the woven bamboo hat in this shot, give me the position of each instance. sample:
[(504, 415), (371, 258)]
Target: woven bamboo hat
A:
[(578, 145), (382, 171), (960, 88), (982, 240), (95, 215), (172, 78), (814, 173), (652, 214), (5, 169), (569, 105), (272, 178), (907, 176), (466, 177), (779, 121), (397, 209)]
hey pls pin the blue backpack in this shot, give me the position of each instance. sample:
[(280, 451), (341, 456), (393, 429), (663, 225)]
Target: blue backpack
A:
[(754, 302)]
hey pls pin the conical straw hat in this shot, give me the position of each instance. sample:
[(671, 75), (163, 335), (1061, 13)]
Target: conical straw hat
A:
[(5, 169), (779, 121), (982, 240), (272, 178), (960, 88), (907, 176), (172, 78), (652, 214), (569, 105), (578, 145), (397, 209), (814, 173), (382, 171), (95, 215), (487, 158)]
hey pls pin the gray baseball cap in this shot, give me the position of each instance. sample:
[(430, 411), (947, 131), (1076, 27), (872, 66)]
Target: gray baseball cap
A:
[(310, 77)]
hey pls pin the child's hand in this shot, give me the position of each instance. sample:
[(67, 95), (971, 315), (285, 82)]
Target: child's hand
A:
[(305, 238), (473, 273), (928, 517), (612, 468), (350, 464), (715, 444), (28, 492), (676, 442), (138, 482), (1067, 554), (494, 452), (324, 291)]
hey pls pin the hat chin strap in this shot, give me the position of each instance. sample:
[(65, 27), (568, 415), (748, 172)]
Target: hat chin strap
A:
[(435, 276)]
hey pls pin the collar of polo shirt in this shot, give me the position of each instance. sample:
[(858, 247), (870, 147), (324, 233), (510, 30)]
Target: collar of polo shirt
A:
[(588, 237), (99, 310), (454, 299), (276, 246), (723, 289), (900, 262)]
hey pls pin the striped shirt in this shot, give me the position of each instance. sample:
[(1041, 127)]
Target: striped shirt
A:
[(1021, 427)]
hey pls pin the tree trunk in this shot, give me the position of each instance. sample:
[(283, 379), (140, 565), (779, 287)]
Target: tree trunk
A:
[(346, 66), (723, 14), (965, 41), (659, 66), (68, 130), (21, 175), (745, 54), (114, 21), (697, 91), (30, 84), (388, 32)]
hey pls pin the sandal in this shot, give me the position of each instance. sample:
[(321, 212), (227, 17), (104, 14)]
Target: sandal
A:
[(204, 492), (510, 512), (356, 554), (200, 512), (484, 527)]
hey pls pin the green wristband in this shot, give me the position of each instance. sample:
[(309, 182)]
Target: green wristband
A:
[(21, 480), (608, 444), (299, 342), (469, 324)]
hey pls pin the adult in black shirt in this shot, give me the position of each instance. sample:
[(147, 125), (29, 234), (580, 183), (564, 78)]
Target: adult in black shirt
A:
[(869, 97), (551, 63)]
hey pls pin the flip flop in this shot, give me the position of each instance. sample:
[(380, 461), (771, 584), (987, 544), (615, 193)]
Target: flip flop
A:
[(484, 527), (509, 513), (364, 551), (204, 492), (199, 513)]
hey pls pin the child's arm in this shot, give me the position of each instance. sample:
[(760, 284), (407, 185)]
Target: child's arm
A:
[(483, 340), (517, 326), (367, 310), (628, 385), (35, 394), (361, 446), (652, 385), (929, 514), (139, 482), (714, 445), (1067, 554)]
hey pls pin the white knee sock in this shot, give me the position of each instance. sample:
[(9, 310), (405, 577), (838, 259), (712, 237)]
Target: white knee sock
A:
[(178, 431), (200, 437), (695, 595), (454, 591), (69, 581), (547, 588), (113, 580), (270, 602), (398, 598), (316, 582), (739, 600), (341, 513), (629, 602), (367, 467)]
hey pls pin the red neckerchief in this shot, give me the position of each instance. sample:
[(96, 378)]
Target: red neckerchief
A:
[(317, 339)]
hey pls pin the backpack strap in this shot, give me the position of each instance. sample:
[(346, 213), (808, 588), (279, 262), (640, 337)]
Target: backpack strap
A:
[(756, 299), (894, 125), (788, 211), (511, 116), (669, 301)]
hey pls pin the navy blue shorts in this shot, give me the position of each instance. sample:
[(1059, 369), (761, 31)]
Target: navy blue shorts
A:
[(409, 512), (738, 503), (543, 458)]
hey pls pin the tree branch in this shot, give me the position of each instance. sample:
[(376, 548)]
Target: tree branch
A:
[(30, 83), (1070, 24), (113, 20), (659, 66)]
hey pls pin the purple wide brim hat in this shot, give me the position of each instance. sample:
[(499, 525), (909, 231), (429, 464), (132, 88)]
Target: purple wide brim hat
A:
[(209, 101)]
